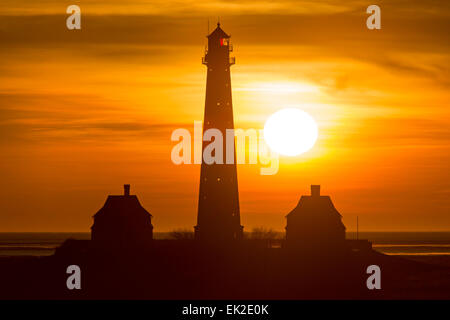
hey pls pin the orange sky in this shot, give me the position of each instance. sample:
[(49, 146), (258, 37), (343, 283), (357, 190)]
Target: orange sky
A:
[(83, 112)]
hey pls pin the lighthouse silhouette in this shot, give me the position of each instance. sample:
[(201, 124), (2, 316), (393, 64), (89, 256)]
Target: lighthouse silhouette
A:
[(218, 216)]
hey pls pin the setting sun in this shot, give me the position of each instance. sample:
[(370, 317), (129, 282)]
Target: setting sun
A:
[(290, 132)]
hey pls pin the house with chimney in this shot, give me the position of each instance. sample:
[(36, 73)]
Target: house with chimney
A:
[(122, 222), (315, 223)]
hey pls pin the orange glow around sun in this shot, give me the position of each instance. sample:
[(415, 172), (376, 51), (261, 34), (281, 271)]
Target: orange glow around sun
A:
[(84, 112)]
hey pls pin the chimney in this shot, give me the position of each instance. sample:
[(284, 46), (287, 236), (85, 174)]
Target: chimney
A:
[(126, 189), (315, 190)]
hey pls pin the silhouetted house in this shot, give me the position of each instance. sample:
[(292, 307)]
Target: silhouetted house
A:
[(315, 222), (122, 222)]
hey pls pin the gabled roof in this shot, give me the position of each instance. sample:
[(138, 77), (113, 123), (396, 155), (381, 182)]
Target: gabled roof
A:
[(121, 206), (317, 205), (218, 33)]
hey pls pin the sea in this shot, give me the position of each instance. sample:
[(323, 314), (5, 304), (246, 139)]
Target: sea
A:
[(391, 243)]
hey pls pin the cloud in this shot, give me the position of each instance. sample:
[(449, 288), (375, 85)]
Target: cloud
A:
[(47, 131), (111, 34), (389, 132), (45, 117), (222, 7)]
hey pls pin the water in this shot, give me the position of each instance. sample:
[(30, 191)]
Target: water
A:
[(34, 244), (392, 243), (408, 243)]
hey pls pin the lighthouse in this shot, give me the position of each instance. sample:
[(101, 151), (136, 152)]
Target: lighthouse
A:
[(218, 216)]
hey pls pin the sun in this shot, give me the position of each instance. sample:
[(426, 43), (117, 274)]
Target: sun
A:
[(290, 132)]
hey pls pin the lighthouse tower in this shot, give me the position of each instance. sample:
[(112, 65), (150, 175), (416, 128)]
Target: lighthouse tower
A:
[(218, 205)]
